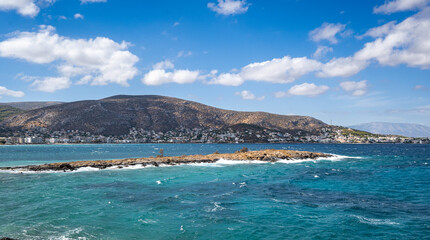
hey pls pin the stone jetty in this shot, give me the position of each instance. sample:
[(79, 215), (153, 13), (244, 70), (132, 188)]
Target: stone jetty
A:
[(268, 155)]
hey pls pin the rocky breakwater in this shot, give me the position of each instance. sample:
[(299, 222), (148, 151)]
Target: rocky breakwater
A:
[(268, 155)]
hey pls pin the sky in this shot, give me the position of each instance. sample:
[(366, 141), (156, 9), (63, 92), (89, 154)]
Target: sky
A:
[(343, 62)]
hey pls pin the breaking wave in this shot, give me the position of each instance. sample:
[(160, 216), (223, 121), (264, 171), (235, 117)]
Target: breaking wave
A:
[(219, 163)]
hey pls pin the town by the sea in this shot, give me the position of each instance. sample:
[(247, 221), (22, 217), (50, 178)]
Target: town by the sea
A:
[(368, 191)]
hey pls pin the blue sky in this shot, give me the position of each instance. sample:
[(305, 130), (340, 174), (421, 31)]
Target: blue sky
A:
[(344, 62)]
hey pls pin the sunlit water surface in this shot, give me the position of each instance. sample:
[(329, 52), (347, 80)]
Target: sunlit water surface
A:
[(372, 192)]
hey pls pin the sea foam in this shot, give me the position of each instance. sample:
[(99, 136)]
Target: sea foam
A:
[(219, 163)]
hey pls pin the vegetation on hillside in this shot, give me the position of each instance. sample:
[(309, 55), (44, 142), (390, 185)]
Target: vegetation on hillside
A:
[(362, 134), (8, 111)]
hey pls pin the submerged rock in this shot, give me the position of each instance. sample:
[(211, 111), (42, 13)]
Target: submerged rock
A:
[(268, 155)]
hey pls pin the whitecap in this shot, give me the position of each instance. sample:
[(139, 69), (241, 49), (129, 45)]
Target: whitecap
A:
[(219, 163), (333, 157), (374, 221), (217, 207), (235, 162), (147, 221), (87, 169)]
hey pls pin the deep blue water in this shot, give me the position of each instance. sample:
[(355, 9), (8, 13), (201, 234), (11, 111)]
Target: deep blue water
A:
[(378, 192)]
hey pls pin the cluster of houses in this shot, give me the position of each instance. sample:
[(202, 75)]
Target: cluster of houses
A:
[(200, 135)]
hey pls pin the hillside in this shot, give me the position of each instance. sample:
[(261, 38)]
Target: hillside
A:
[(30, 105), (118, 114), (403, 129), (8, 111)]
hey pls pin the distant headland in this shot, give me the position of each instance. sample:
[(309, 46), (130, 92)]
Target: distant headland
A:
[(160, 119)]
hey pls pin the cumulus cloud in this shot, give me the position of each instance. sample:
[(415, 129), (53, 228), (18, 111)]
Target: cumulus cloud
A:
[(277, 70), (355, 88), (229, 7), (379, 31), (23, 7), (228, 79), (327, 31), (78, 16), (164, 72), (403, 43), (305, 89), (342, 67), (100, 60), (167, 64), (51, 84), (400, 5), (322, 51), (7, 92), (247, 95)]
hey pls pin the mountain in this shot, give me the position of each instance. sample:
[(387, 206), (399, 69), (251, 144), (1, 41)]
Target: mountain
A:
[(30, 105), (118, 114), (8, 111), (403, 129)]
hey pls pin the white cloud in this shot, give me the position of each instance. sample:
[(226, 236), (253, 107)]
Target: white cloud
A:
[(400, 5), (305, 89), (342, 67), (101, 61), (247, 95), (287, 70), (322, 51), (229, 7), (228, 79), (355, 88), (175, 24), (7, 92), (51, 84), (23, 7), (380, 31), (327, 31), (167, 64), (403, 43), (92, 1), (279, 70), (78, 16), (184, 54), (159, 75)]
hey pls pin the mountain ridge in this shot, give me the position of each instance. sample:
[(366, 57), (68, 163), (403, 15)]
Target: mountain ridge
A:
[(117, 114), (30, 105)]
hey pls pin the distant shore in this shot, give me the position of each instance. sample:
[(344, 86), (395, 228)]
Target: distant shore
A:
[(268, 155)]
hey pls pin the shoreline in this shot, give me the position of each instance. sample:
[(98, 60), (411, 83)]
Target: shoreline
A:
[(268, 155)]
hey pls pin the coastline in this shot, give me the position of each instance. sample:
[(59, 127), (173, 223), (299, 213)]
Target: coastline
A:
[(268, 155)]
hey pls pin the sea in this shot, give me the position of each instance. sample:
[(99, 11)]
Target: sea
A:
[(364, 192)]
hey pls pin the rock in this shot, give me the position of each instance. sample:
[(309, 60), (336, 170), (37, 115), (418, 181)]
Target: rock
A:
[(268, 155)]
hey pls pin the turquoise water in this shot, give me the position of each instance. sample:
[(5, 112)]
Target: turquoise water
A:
[(378, 192)]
